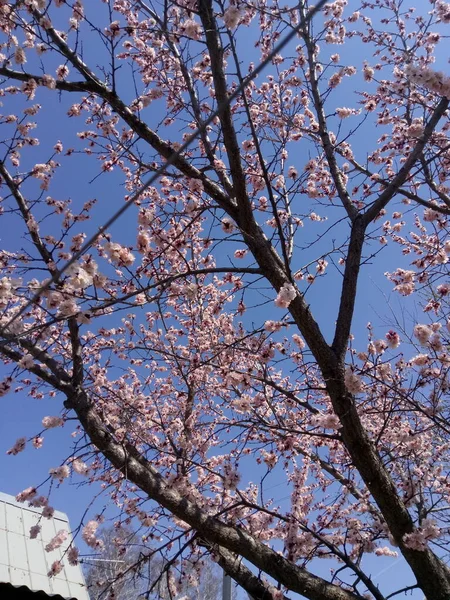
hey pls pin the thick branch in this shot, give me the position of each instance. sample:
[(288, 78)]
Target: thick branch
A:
[(404, 172)]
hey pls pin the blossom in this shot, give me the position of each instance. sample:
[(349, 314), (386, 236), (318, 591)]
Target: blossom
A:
[(72, 556), (62, 72), (420, 360), (418, 539), (48, 81), (5, 386), (326, 421), (48, 512), (240, 253), (60, 473), (50, 422), (393, 339), (57, 540), (385, 551), (435, 81), (227, 225), (292, 173), (19, 56), (285, 296), (231, 17), (27, 494), (26, 362), (56, 568), (443, 11), (423, 333), (273, 326), (343, 113), (34, 531), (368, 72), (192, 29), (119, 255), (19, 446), (88, 534), (80, 467), (353, 381), (298, 341)]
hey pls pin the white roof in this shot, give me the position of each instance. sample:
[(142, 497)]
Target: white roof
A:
[(24, 561)]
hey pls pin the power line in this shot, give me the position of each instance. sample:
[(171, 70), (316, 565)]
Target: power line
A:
[(159, 172)]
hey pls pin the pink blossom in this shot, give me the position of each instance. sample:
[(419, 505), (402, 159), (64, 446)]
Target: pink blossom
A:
[(353, 381), (27, 494), (62, 72), (72, 556), (423, 333), (420, 360), (240, 253), (19, 446), (298, 341), (48, 512), (292, 173), (227, 225), (5, 386), (56, 568), (80, 467), (60, 473), (19, 56), (285, 296), (192, 29), (50, 422), (327, 421), (34, 531), (231, 17), (57, 540), (393, 339), (273, 326), (88, 534)]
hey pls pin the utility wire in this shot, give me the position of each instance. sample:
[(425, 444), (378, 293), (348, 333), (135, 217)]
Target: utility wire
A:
[(201, 129)]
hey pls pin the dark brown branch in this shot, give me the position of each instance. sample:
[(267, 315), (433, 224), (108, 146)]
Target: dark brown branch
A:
[(404, 172)]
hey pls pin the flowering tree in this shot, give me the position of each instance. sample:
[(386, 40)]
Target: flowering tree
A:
[(192, 350)]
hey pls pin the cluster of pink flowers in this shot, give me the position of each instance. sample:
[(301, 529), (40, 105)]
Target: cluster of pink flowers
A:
[(326, 421), (72, 556), (191, 29), (273, 326), (89, 536), (34, 531), (443, 11), (80, 467), (5, 386), (57, 541), (285, 296), (418, 539), (50, 422), (26, 494), (19, 446), (119, 255), (435, 81), (231, 17), (423, 333), (393, 339), (60, 473), (353, 381), (56, 568)]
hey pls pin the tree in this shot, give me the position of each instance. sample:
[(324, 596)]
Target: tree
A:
[(193, 345), (126, 570), (112, 571)]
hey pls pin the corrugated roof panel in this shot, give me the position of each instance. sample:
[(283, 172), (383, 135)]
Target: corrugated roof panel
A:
[(24, 561)]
